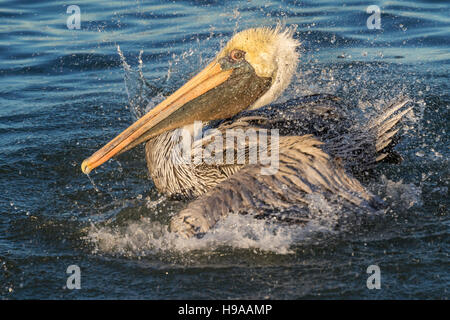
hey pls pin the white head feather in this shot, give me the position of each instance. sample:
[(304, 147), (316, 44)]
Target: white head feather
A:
[(272, 53)]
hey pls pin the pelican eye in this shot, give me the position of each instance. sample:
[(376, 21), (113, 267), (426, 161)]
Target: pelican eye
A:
[(237, 55)]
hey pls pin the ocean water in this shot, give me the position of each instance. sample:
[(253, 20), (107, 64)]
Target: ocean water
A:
[(64, 93)]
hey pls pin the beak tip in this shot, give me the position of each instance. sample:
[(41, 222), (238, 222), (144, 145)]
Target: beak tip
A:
[(85, 167)]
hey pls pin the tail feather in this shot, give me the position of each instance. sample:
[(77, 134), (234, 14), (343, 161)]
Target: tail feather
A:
[(385, 130), (389, 111), (384, 141)]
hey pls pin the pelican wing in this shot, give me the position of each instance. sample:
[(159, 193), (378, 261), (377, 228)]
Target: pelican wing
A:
[(304, 170), (360, 147)]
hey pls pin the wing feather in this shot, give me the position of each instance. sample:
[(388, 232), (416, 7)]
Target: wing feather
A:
[(304, 169)]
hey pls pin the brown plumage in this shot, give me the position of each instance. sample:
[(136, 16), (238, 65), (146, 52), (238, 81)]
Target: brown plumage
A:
[(304, 167)]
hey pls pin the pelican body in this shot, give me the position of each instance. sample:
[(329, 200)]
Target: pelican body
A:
[(317, 150)]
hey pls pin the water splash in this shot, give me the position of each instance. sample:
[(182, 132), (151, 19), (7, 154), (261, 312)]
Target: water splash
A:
[(141, 94), (401, 195), (93, 183), (146, 237), (151, 204)]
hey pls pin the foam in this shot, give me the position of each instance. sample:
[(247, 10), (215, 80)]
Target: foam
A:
[(146, 237)]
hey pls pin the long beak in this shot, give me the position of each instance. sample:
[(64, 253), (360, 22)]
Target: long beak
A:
[(163, 117)]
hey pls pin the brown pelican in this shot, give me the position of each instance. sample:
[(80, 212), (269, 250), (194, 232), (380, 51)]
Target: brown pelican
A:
[(317, 149)]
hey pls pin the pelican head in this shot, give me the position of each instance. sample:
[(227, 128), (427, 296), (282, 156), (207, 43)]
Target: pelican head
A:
[(251, 71)]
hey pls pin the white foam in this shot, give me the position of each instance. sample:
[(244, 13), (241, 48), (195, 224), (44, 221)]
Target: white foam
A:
[(401, 195), (146, 237)]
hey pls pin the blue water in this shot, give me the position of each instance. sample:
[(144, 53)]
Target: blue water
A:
[(62, 95)]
